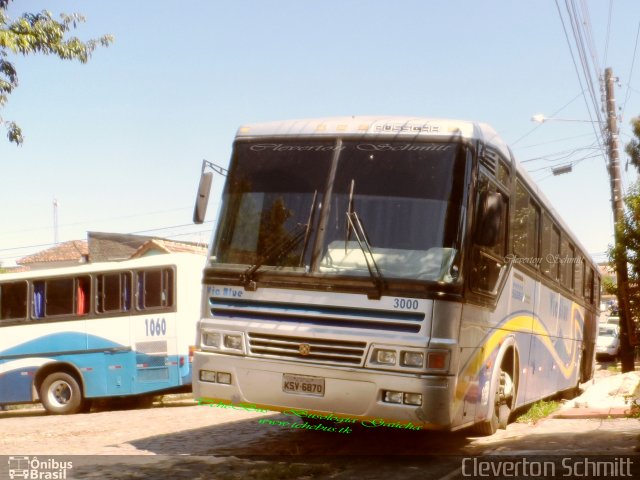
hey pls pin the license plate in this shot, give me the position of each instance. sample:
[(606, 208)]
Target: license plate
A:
[(303, 385)]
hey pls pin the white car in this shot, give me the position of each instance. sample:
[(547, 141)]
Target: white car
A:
[(608, 343)]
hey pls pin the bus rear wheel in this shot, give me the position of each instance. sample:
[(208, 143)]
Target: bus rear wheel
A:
[(60, 394)]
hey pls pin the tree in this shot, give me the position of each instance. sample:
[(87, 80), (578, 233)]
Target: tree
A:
[(628, 248), (34, 33)]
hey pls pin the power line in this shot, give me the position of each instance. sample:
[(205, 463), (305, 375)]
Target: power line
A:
[(606, 44), (585, 67), (633, 61), (561, 155), (558, 140), (552, 115)]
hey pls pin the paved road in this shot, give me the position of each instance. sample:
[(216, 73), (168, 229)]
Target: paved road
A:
[(229, 444)]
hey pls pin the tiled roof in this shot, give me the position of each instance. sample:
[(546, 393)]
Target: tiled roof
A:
[(107, 247), (169, 246), (74, 250)]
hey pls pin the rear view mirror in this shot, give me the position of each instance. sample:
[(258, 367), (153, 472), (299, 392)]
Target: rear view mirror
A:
[(489, 219), (202, 200)]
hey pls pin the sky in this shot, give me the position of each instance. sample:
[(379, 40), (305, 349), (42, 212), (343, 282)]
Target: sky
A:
[(118, 142)]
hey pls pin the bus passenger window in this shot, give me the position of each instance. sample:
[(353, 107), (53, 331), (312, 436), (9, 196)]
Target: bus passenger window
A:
[(525, 225), (588, 286), (567, 253), (579, 276), (488, 263), (82, 295), (59, 297), (13, 301), (550, 251), (38, 299), (114, 292), (155, 289)]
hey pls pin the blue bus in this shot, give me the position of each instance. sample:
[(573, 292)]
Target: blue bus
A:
[(71, 335)]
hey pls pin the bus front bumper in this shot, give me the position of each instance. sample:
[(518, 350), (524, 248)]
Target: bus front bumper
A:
[(347, 392)]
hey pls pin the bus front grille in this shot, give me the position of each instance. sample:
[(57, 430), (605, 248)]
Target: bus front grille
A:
[(317, 315), (342, 352)]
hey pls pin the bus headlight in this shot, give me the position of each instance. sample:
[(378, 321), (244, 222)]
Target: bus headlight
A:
[(232, 341), (384, 357), (393, 397), (412, 399), (210, 339), (223, 342), (412, 359)]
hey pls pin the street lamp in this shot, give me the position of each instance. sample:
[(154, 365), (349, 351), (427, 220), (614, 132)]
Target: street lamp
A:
[(540, 118)]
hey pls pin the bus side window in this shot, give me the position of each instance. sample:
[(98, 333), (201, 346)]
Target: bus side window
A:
[(567, 253), (579, 277), (114, 292), (488, 264), (38, 299), (83, 295), (59, 297), (155, 289), (13, 301), (588, 286), (550, 253), (525, 225)]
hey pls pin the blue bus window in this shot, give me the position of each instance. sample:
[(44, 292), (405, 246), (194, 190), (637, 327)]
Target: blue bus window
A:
[(38, 299)]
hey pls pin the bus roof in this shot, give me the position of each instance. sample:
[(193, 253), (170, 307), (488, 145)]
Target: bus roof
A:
[(86, 268), (414, 128)]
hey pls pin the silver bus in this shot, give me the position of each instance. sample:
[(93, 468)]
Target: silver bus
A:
[(398, 270)]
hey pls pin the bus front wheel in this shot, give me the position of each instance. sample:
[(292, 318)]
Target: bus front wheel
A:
[(61, 394), (501, 406)]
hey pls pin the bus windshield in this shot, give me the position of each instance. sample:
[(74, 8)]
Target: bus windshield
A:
[(344, 208)]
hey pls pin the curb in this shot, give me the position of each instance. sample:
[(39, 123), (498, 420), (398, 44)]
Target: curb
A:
[(594, 413)]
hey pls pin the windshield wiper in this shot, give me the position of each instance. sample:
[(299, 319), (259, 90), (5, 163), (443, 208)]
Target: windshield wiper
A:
[(301, 233), (355, 225), (274, 254)]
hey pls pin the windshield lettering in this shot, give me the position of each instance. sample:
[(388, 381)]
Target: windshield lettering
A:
[(403, 147), (279, 147)]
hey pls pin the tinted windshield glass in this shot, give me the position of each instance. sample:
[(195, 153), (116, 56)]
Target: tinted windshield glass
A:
[(407, 198), (269, 200)]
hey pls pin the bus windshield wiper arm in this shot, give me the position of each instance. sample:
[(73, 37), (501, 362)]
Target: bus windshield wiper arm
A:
[(355, 225), (274, 254)]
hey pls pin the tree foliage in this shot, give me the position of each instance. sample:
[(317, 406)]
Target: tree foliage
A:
[(38, 33), (628, 230), (633, 147)]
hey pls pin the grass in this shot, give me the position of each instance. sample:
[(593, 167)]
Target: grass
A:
[(538, 411), (634, 411)]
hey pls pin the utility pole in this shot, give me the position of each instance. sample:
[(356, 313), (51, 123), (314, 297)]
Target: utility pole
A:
[(55, 221), (627, 328)]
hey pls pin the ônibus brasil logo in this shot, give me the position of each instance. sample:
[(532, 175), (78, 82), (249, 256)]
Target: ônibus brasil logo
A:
[(34, 468)]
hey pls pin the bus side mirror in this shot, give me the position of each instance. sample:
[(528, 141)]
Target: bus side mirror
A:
[(202, 200), (489, 219)]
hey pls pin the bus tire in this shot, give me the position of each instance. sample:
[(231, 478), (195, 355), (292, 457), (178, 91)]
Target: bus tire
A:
[(60, 394), (500, 410), (504, 412)]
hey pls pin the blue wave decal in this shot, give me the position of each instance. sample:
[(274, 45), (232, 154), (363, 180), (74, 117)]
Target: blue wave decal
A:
[(59, 343)]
